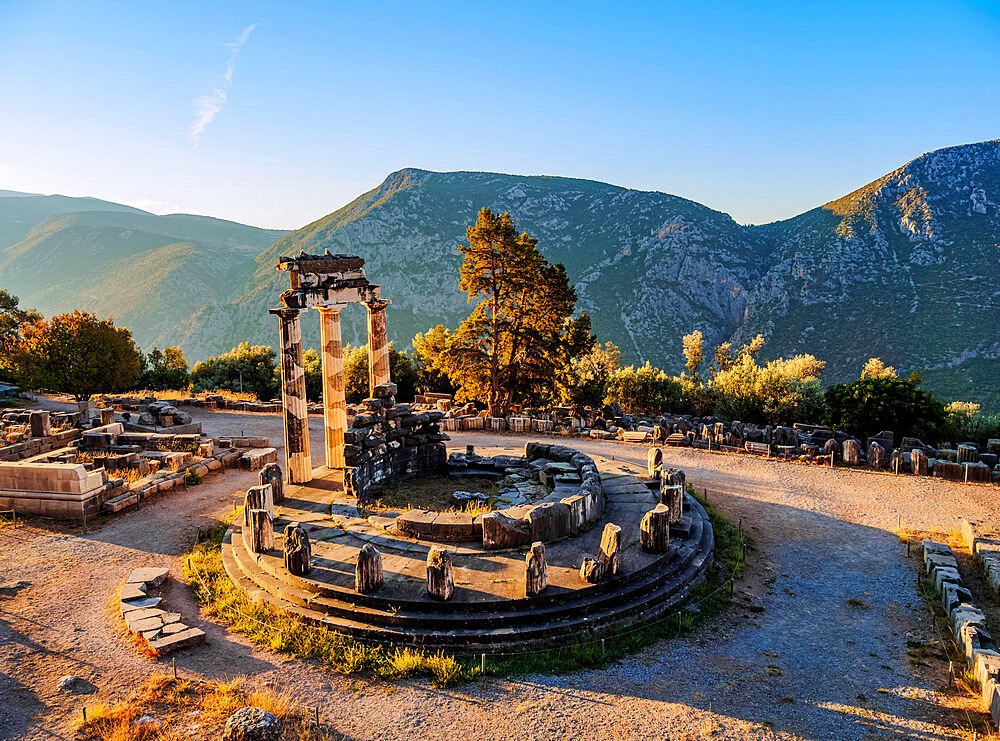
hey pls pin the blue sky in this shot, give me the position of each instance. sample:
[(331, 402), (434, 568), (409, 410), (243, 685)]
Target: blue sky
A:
[(761, 110)]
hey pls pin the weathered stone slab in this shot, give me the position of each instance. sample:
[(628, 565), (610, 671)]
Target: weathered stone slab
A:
[(502, 531), (150, 576)]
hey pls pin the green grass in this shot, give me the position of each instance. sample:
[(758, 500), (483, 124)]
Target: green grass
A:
[(282, 633)]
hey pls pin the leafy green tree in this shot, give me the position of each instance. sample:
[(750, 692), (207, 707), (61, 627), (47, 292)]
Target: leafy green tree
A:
[(246, 368), (77, 354), (312, 364), (584, 381), (402, 371), (780, 392), (166, 369), (645, 390), (877, 403), (726, 356), (693, 347), (429, 349), (965, 422), (521, 331)]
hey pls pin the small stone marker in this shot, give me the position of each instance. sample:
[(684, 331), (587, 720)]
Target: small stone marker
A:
[(261, 530), (654, 461), (536, 571), (298, 552), (611, 546), (850, 452), (591, 571), (271, 474), (654, 531), (440, 580), (368, 571)]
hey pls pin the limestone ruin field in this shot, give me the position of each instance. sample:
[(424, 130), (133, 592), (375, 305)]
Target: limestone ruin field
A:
[(827, 637)]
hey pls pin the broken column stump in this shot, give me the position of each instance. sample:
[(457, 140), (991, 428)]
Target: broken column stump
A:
[(440, 580), (654, 462), (850, 452), (611, 547), (918, 462), (654, 530), (261, 530), (591, 570), (876, 456), (298, 552), (258, 497), (536, 572), (672, 492), (368, 571), (271, 474)]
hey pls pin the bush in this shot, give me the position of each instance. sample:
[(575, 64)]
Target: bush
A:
[(781, 392), (76, 353), (166, 370), (965, 422), (645, 390), (245, 368), (402, 372), (870, 405)]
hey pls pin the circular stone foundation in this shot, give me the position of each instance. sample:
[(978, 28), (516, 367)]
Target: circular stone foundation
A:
[(488, 611)]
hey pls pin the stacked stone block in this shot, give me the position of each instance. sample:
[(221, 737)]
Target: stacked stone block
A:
[(389, 442)]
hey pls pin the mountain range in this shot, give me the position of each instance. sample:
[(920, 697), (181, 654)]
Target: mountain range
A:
[(905, 268)]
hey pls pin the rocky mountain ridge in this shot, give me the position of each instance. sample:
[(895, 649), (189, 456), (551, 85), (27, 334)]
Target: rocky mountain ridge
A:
[(904, 268)]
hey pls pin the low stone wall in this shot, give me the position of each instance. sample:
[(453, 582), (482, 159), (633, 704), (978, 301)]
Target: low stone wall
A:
[(567, 510), (968, 622), (388, 442)]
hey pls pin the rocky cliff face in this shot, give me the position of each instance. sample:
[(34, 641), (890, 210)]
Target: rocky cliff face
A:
[(905, 268)]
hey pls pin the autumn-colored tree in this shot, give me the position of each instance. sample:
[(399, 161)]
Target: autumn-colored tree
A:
[(76, 353), (429, 350), (521, 330), (12, 318), (726, 356), (875, 368)]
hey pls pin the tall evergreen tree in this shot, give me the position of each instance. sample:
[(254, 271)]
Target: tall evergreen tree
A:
[(521, 330)]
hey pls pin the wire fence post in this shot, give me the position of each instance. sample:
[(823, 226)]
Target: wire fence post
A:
[(482, 664)]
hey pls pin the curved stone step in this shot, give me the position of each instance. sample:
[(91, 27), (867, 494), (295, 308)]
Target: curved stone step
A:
[(506, 639), (470, 632)]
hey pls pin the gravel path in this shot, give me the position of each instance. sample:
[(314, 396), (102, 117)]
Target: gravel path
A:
[(792, 659)]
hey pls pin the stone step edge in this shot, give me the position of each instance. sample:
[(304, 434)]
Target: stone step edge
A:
[(557, 635), (376, 602)]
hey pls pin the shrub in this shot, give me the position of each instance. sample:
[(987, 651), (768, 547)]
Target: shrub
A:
[(885, 402), (965, 422), (781, 392), (645, 390), (244, 368)]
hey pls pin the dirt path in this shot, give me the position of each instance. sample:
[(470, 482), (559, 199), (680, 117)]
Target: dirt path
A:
[(792, 659)]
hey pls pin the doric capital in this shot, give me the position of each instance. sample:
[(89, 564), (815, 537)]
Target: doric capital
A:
[(377, 304), (286, 314)]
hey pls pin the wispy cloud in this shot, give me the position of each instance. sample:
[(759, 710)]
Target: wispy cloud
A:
[(207, 107)]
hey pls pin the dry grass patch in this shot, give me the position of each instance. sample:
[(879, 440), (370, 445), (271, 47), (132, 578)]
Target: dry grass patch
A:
[(432, 493), (168, 709)]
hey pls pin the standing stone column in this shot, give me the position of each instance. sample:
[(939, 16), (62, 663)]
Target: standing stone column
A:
[(378, 344), (298, 462), (654, 530), (440, 579), (334, 401), (536, 572)]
